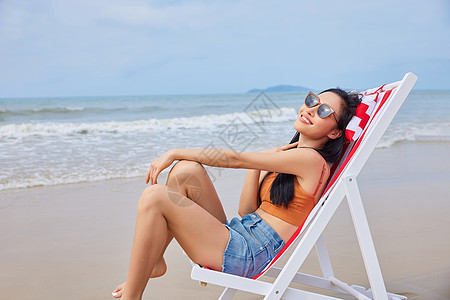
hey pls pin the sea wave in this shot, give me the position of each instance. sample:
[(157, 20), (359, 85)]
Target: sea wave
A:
[(211, 121), (42, 110), (49, 180), (415, 132), (57, 110)]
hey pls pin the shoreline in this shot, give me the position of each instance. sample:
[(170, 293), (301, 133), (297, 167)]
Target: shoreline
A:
[(431, 142), (73, 241)]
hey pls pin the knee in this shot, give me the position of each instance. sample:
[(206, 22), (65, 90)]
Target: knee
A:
[(152, 197), (187, 166), (184, 172)]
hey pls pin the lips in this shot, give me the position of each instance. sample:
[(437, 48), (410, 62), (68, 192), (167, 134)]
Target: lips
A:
[(305, 120)]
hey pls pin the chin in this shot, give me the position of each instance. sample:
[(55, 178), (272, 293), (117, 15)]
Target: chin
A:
[(297, 125)]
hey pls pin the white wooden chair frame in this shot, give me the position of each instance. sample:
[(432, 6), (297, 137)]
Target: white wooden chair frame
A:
[(345, 186)]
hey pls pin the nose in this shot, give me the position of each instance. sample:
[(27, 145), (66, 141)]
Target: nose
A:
[(311, 110)]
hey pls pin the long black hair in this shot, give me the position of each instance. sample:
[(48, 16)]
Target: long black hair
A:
[(282, 189)]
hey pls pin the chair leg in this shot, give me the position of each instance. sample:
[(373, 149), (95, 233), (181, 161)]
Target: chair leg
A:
[(324, 258), (365, 238), (227, 294)]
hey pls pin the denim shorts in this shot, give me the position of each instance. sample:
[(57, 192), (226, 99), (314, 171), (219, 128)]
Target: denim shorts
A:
[(251, 246)]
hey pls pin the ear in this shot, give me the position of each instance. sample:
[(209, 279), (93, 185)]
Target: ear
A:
[(334, 134)]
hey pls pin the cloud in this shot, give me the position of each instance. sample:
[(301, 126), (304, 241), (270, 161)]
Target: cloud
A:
[(116, 47), (191, 16)]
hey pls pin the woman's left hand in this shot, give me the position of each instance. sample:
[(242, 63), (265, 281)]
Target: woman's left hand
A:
[(164, 161), (282, 148)]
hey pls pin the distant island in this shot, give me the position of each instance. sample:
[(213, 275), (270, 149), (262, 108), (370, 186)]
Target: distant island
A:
[(281, 89)]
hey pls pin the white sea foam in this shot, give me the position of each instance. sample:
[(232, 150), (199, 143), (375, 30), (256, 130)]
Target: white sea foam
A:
[(54, 110), (47, 110), (211, 121), (72, 141), (41, 154), (402, 132), (48, 180)]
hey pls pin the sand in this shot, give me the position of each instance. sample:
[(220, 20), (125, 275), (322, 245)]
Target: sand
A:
[(74, 241)]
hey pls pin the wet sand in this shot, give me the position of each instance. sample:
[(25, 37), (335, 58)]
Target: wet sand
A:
[(74, 241)]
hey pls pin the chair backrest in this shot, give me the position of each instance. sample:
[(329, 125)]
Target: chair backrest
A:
[(372, 103)]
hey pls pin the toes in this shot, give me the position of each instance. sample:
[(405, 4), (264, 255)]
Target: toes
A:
[(117, 293)]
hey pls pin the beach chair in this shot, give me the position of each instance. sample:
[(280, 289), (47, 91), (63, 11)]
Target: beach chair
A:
[(384, 102)]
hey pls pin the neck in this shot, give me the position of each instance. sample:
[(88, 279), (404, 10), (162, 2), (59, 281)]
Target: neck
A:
[(306, 142)]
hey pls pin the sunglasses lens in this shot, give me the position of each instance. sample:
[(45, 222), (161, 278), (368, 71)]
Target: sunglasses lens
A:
[(324, 111), (311, 100)]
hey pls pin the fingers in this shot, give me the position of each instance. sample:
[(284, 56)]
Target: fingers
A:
[(150, 172), (148, 177), (155, 176), (289, 146), (152, 175)]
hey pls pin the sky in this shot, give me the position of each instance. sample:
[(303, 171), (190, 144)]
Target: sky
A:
[(52, 48)]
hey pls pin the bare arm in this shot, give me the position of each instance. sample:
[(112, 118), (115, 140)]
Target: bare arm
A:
[(248, 202), (289, 162)]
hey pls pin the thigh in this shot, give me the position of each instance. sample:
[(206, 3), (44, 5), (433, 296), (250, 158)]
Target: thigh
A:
[(190, 179), (201, 235)]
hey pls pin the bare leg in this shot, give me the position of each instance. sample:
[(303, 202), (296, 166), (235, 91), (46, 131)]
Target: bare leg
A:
[(201, 235), (185, 179), (190, 179)]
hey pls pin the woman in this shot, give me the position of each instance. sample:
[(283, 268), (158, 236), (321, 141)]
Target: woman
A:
[(280, 189)]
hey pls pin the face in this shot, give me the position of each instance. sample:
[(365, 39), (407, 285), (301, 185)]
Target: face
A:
[(309, 123)]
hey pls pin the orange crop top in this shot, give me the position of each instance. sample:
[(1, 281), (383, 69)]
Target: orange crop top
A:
[(299, 207)]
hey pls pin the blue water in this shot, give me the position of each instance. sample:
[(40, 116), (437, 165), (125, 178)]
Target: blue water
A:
[(46, 141)]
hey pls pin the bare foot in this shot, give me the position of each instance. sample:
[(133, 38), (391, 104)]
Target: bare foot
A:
[(158, 270), (117, 293)]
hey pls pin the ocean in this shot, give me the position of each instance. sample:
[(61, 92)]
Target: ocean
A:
[(48, 141)]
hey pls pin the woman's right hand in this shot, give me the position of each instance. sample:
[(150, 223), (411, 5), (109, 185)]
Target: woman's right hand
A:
[(161, 163)]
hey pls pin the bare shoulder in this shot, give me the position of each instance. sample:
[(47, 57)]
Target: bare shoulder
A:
[(309, 156), (310, 162)]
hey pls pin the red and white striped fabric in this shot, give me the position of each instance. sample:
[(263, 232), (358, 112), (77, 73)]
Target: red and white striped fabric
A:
[(364, 110), (370, 100), (371, 103)]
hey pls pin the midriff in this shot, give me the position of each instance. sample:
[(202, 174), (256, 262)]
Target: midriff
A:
[(284, 229)]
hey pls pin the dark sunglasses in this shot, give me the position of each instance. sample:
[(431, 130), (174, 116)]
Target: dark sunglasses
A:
[(323, 110)]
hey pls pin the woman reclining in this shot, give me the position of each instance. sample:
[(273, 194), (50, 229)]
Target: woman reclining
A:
[(281, 187)]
